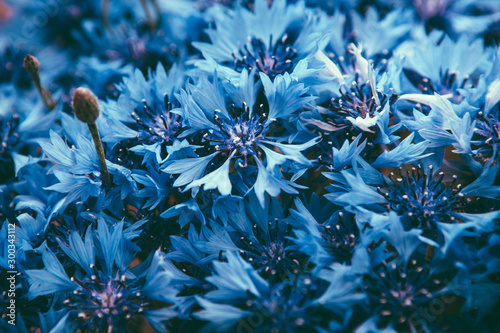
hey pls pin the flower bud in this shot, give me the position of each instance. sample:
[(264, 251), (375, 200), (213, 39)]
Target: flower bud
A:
[(85, 105), (31, 64)]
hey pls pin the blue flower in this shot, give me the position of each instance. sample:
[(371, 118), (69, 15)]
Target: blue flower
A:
[(144, 114), (242, 294), (125, 37), (247, 40), (245, 132), (397, 279), (362, 106), (484, 137), (422, 200), (260, 235), (78, 170), (325, 242), (470, 130), (398, 292), (101, 293), (440, 65)]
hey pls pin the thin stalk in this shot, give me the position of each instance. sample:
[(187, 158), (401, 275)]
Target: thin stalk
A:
[(100, 152)]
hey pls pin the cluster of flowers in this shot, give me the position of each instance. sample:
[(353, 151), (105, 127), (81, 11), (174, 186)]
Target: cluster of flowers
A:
[(250, 166)]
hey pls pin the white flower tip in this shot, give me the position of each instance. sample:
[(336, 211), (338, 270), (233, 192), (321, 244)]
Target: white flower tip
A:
[(364, 124), (330, 69)]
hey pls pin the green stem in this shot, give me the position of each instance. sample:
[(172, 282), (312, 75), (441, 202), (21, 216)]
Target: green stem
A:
[(158, 12), (105, 15), (47, 99), (44, 93), (100, 152), (151, 23)]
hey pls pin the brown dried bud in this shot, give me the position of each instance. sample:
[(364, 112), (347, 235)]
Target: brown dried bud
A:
[(31, 64), (85, 105)]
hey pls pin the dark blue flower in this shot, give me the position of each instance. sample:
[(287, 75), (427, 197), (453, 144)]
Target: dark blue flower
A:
[(328, 241), (443, 66), (101, 294), (129, 39), (421, 199), (361, 105), (260, 235), (242, 295), (144, 114), (11, 65), (398, 292), (235, 133), (244, 39)]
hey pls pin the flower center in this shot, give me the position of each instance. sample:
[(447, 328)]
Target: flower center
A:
[(358, 101), (423, 200), (105, 299), (341, 238), (487, 135), (272, 59), (157, 126), (240, 133), (266, 251)]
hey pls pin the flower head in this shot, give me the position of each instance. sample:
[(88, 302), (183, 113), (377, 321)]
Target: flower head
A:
[(104, 304), (128, 39), (260, 236), (145, 114), (240, 134), (242, 294), (271, 59), (397, 291), (422, 199), (231, 133), (101, 294), (486, 139), (154, 126), (261, 43), (443, 66)]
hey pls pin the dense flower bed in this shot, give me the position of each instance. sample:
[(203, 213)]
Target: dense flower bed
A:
[(249, 166)]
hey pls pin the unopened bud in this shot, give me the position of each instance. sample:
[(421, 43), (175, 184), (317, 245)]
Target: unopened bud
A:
[(85, 105), (86, 108), (31, 64)]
